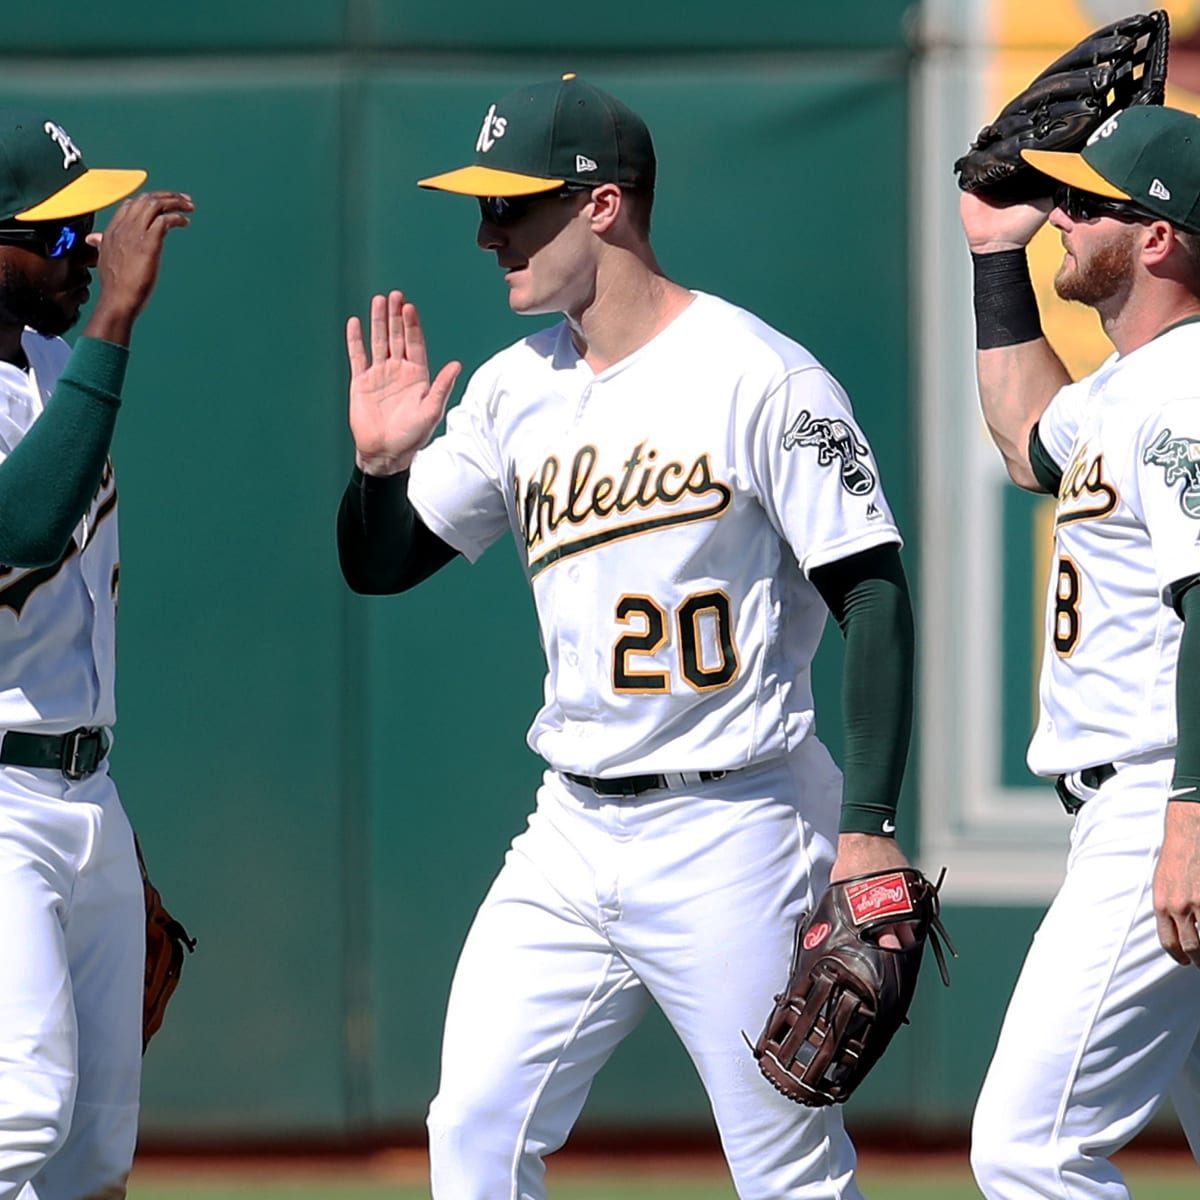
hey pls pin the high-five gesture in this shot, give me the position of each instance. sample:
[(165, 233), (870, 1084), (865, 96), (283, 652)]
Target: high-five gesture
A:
[(394, 408)]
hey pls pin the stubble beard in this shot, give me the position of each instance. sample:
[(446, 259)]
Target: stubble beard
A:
[(24, 303), (1100, 277)]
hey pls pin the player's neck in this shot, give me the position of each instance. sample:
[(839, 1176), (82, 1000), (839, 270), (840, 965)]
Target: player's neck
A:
[(1142, 319), (631, 307)]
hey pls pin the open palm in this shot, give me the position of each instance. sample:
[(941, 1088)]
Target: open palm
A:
[(394, 408)]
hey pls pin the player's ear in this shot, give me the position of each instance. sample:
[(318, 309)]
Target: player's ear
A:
[(607, 203), (1159, 241)]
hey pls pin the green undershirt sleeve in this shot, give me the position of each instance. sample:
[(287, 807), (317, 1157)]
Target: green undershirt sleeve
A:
[(1046, 471), (383, 545), (1187, 696), (52, 474), (868, 596)]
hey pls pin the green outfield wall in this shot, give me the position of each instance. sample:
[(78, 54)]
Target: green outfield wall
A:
[(325, 784)]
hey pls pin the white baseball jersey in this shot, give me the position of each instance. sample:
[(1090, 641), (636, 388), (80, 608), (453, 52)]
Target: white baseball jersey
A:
[(57, 623), (630, 493), (1127, 526)]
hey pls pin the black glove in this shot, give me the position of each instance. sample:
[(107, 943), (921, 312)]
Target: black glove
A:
[(1112, 69)]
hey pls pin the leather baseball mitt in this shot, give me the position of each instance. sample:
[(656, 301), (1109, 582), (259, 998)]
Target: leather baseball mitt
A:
[(1113, 68), (166, 941), (847, 995)]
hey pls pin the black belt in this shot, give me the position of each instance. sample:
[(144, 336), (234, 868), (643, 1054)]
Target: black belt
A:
[(1090, 777), (635, 785), (75, 754)]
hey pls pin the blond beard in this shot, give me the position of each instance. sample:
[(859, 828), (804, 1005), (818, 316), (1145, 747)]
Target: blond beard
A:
[(1105, 272)]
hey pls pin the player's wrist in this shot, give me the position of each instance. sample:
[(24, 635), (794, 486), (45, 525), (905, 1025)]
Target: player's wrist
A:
[(380, 465), (1006, 308)]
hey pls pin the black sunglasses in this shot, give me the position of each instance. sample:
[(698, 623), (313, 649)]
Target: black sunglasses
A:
[(51, 239), (508, 210), (1086, 206)]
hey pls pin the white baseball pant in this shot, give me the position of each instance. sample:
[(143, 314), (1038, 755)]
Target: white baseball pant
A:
[(72, 941), (1102, 1024), (604, 906)]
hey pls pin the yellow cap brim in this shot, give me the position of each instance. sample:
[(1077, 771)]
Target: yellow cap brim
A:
[(486, 181), (92, 191), (1071, 169)]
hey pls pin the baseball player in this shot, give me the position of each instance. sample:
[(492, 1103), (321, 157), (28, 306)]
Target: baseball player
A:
[(1103, 1023), (690, 496), (73, 927)]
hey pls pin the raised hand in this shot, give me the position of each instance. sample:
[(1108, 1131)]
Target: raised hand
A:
[(130, 253), (394, 408), (990, 226)]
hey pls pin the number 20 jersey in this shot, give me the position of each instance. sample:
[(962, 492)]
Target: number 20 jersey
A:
[(1127, 527), (662, 508)]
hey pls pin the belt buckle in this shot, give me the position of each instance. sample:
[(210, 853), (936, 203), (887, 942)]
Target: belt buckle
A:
[(82, 751)]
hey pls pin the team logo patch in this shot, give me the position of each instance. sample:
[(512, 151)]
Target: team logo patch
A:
[(59, 136), (883, 896), (493, 127), (835, 442), (816, 935), (1180, 460)]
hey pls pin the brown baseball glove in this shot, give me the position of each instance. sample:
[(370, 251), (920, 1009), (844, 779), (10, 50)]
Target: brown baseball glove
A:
[(166, 941), (847, 995), (1111, 69)]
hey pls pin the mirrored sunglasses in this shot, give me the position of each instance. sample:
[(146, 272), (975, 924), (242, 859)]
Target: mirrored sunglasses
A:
[(508, 210), (1086, 206), (51, 239)]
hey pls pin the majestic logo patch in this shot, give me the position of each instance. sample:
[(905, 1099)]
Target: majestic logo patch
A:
[(62, 139), (492, 129), (883, 896), (1180, 460), (834, 440)]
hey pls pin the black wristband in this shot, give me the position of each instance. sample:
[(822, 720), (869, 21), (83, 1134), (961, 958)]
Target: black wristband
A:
[(1006, 311)]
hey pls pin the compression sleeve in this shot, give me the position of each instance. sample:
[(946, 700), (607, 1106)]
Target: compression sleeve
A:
[(1187, 697), (51, 475), (867, 594), (383, 545)]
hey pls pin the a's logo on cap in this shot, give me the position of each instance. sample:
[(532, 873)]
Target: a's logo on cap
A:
[(1159, 190), (493, 127), (583, 163), (1106, 130), (58, 135)]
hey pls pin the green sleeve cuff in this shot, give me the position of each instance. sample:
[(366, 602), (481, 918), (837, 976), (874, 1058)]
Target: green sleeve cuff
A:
[(1045, 470), (1187, 699)]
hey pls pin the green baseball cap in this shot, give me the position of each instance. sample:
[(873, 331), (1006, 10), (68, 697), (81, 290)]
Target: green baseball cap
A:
[(1148, 154), (43, 176), (540, 137)]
